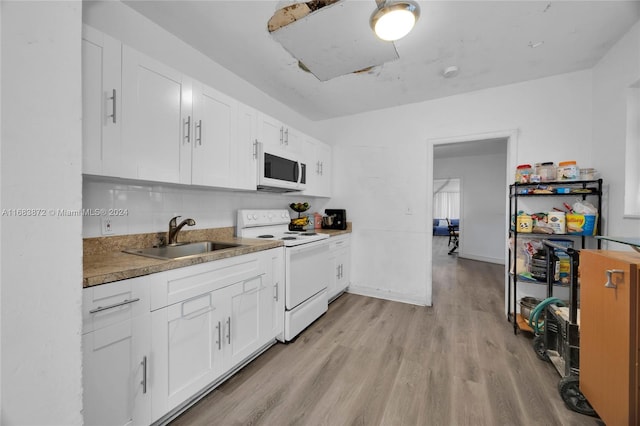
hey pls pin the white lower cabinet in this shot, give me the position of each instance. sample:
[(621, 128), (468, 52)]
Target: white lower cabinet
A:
[(212, 324), (272, 300), (340, 261), (151, 344), (117, 353)]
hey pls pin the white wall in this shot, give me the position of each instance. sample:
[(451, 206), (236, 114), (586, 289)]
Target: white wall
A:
[(41, 255), (611, 77), (483, 191), (380, 161)]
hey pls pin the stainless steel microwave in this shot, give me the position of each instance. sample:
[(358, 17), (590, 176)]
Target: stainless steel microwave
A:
[(279, 170)]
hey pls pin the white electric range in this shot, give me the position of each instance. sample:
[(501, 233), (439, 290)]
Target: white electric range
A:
[(306, 265)]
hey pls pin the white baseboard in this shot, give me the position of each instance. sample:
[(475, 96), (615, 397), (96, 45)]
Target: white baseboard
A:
[(386, 295), (481, 258)]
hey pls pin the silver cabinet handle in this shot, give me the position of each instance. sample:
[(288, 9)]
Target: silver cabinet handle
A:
[(317, 167), (286, 139), (255, 149), (144, 374), (275, 296), (229, 330), (113, 101), (187, 134), (609, 273), (219, 342), (115, 305), (281, 134), (322, 168), (199, 128), (338, 271)]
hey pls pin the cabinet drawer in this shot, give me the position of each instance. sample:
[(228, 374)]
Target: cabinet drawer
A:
[(108, 304), (338, 242), (189, 282)]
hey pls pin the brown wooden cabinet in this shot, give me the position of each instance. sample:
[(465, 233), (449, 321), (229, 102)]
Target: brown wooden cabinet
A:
[(609, 327)]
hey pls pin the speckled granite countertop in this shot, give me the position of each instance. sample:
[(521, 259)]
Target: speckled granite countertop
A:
[(104, 262)]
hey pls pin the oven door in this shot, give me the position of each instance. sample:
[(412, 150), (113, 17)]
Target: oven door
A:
[(307, 271), (279, 171)]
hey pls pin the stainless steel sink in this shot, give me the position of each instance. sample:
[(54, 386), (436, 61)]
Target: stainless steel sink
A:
[(175, 251)]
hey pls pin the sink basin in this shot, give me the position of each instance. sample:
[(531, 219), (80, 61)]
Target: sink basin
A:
[(179, 250)]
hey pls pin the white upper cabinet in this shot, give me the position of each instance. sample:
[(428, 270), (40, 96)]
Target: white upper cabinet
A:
[(270, 131), (276, 134), (145, 120), (214, 132), (246, 167), (318, 168), (157, 120), (101, 102)]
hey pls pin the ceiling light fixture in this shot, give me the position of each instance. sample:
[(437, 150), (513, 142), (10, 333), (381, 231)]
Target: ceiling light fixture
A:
[(393, 20)]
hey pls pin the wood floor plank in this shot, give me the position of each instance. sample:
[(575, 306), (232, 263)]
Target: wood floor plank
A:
[(375, 362)]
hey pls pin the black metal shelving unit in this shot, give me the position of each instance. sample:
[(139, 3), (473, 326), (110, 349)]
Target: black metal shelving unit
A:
[(577, 188)]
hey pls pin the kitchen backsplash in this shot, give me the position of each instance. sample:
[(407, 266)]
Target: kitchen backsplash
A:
[(142, 208)]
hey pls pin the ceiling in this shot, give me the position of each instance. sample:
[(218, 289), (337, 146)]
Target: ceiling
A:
[(490, 42)]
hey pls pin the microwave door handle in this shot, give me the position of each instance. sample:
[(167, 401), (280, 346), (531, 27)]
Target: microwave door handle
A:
[(299, 173)]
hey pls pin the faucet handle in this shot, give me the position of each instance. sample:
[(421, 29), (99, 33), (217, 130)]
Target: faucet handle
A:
[(174, 221)]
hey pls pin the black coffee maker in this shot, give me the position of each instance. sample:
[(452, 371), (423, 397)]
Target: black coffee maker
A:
[(334, 219)]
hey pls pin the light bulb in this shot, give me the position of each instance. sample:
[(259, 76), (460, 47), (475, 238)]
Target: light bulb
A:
[(394, 20)]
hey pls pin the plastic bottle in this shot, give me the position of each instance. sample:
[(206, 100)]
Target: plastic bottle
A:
[(568, 170), (523, 171)]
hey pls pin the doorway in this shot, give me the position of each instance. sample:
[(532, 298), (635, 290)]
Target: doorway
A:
[(481, 162)]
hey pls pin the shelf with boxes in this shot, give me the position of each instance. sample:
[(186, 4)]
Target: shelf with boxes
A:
[(567, 212)]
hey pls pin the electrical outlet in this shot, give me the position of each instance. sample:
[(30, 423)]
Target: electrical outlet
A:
[(408, 211), (107, 226)]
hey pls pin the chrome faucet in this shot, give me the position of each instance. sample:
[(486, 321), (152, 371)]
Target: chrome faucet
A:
[(174, 228)]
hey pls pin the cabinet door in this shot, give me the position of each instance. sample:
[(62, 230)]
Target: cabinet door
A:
[(116, 360), (157, 125), (334, 276), (345, 268), (294, 141), (272, 299), (323, 155), (340, 261), (188, 349), (214, 127), (246, 170), (318, 156), (101, 102), (242, 325), (608, 335), (270, 131)]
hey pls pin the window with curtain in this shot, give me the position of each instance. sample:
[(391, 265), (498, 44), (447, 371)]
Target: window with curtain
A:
[(446, 199)]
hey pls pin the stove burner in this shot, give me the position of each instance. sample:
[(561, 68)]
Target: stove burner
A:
[(289, 238), (309, 233), (265, 236), (292, 232)]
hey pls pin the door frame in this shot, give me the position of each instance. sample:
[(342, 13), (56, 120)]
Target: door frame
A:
[(512, 143)]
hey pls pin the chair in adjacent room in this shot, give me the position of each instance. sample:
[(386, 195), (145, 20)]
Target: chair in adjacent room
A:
[(454, 234)]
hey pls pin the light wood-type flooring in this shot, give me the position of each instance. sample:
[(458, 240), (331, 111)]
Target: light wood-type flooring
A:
[(375, 362)]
